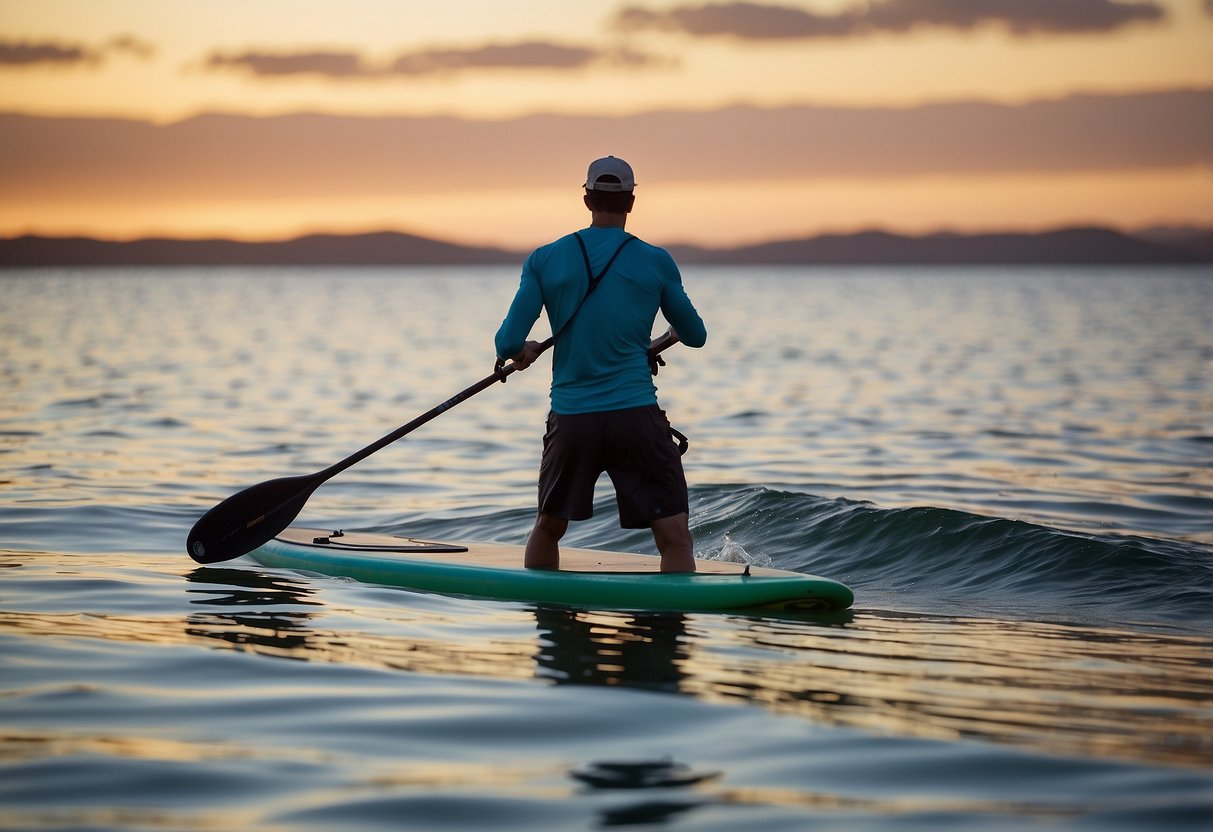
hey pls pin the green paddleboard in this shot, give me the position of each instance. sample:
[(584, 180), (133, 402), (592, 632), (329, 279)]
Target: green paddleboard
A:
[(587, 578)]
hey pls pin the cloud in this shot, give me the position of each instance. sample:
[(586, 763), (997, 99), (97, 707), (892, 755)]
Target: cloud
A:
[(527, 55), (30, 53), (214, 158), (1074, 158), (755, 21), (53, 53), (1022, 17), (747, 21), (344, 65), (269, 65)]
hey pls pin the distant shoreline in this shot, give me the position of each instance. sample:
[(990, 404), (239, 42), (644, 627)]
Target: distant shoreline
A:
[(1075, 246)]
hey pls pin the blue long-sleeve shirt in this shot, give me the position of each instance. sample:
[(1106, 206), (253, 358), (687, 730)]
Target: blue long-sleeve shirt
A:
[(601, 358)]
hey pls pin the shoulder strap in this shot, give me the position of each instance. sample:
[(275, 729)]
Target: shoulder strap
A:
[(594, 279)]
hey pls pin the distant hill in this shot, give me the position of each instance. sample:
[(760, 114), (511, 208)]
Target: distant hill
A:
[(385, 248), (1198, 241), (1062, 246)]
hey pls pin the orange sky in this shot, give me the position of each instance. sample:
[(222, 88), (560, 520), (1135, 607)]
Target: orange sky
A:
[(473, 120)]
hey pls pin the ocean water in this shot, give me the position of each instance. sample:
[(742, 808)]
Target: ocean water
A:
[(1012, 468)]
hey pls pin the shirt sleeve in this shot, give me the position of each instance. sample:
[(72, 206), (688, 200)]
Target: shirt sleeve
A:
[(524, 311), (678, 310)]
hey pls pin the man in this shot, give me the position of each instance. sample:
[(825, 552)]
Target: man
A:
[(604, 414)]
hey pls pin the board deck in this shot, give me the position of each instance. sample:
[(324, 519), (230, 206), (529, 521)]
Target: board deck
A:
[(586, 577)]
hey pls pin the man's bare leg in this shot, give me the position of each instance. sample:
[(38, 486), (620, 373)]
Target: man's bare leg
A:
[(543, 546), (673, 538)]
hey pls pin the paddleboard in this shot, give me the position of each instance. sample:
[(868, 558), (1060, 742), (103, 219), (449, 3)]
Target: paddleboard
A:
[(586, 577)]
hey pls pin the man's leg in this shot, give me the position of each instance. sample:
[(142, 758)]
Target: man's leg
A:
[(543, 546), (673, 538)]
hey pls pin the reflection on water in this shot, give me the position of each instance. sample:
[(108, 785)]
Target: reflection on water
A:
[(657, 774), (1095, 693), (1057, 689), (242, 587), (281, 631), (643, 776), (640, 650), (1070, 690)]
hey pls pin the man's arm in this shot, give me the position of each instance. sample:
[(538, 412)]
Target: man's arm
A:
[(510, 340), (682, 316), (676, 306)]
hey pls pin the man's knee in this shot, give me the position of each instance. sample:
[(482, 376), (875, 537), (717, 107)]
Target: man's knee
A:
[(551, 525)]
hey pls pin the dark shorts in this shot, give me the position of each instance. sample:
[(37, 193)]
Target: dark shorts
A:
[(632, 446)]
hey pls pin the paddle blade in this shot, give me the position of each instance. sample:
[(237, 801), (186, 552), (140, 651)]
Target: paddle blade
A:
[(249, 518)]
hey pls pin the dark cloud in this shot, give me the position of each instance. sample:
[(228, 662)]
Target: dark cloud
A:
[(755, 21), (748, 21), (532, 55), (1023, 17), (51, 53), (528, 55), (31, 53), (490, 57), (223, 157), (267, 64)]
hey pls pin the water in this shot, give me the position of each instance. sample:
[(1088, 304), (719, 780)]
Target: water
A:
[(1013, 469)]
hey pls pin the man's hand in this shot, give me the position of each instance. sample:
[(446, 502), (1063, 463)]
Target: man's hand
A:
[(524, 359), (667, 339)]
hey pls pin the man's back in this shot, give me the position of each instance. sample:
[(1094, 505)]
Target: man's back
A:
[(601, 354)]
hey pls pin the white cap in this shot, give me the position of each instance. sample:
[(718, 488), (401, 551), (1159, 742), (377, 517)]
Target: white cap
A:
[(610, 166)]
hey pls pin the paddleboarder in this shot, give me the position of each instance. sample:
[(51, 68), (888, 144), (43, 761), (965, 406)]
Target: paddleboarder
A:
[(602, 289)]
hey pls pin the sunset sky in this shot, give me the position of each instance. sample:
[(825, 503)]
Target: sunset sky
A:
[(473, 121)]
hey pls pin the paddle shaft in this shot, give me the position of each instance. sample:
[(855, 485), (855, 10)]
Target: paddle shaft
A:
[(400, 432), (658, 345)]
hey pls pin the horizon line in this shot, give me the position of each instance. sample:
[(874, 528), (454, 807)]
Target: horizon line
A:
[(1074, 245), (859, 230)]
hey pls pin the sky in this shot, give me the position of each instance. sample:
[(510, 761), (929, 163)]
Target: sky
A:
[(473, 121)]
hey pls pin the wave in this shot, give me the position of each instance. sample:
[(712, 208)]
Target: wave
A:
[(932, 557)]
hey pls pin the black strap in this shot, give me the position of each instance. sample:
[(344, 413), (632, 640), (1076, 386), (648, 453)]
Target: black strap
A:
[(589, 270), (594, 279), (499, 365), (681, 438)]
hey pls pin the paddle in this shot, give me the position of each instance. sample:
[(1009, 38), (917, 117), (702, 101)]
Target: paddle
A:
[(245, 520)]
